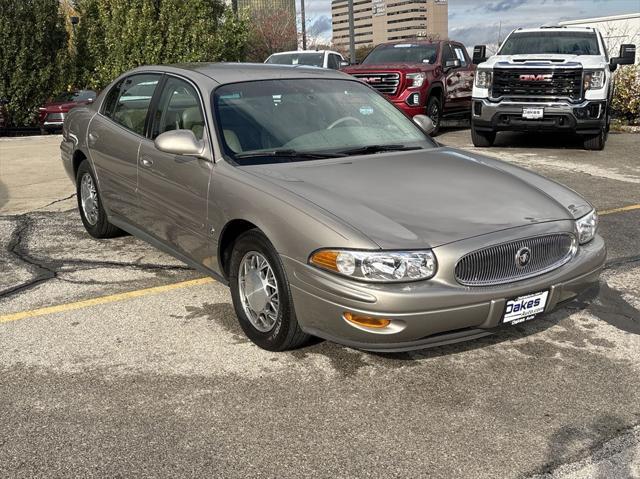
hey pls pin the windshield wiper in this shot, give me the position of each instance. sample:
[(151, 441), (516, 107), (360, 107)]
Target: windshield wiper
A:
[(364, 150), (292, 154)]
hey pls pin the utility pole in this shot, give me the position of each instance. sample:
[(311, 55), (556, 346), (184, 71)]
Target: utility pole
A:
[(352, 40), (304, 26)]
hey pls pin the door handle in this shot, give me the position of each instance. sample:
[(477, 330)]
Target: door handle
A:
[(92, 138), (146, 161)]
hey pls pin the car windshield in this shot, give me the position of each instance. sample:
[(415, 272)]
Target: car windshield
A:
[(279, 120), (403, 53), (313, 59), (76, 96), (549, 42)]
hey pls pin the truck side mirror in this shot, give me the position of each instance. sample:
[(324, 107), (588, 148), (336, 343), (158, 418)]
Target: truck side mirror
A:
[(627, 56), (344, 63), (479, 54)]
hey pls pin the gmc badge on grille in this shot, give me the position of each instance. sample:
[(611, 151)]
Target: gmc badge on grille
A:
[(538, 77)]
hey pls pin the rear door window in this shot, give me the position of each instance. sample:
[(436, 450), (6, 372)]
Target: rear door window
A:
[(134, 97)]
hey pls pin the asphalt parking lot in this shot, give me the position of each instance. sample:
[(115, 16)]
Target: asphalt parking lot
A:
[(117, 360)]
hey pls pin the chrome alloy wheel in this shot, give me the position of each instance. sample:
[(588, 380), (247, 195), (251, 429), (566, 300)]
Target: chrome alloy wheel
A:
[(89, 199), (258, 291)]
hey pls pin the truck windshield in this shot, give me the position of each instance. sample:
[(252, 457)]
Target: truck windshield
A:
[(403, 53), (549, 42), (284, 120), (307, 59)]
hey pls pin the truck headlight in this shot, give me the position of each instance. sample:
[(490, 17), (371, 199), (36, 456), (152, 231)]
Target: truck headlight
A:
[(417, 79), (593, 80), (483, 78), (377, 266), (587, 227)]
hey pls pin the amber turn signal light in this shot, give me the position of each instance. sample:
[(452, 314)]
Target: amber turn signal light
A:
[(367, 321), (326, 259)]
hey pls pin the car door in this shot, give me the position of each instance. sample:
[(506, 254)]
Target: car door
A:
[(114, 137), (466, 72), (453, 79), (173, 189)]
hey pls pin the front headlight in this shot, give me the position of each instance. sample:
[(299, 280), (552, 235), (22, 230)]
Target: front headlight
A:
[(593, 80), (377, 266), (587, 227), (417, 79), (483, 78)]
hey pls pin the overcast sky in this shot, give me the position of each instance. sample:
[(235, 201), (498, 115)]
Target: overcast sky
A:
[(477, 21)]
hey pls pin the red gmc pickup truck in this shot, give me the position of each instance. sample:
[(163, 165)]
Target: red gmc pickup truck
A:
[(421, 77)]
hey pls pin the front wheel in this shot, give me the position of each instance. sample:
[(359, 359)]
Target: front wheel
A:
[(434, 111), (482, 138), (595, 142), (92, 212), (261, 294)]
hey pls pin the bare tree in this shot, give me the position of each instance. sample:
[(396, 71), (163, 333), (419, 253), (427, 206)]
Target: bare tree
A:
[(272, 31)]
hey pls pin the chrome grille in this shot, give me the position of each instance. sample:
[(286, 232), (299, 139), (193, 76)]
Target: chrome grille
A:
[(497, 264), (386, 83), (562, 83)]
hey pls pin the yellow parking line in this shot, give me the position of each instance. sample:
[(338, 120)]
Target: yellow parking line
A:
[(169, 287), (102, 300), (619, 210)]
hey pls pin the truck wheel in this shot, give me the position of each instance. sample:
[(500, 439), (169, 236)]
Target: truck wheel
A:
[(482, 138), (595, 142), (262, 296), (434, 111)]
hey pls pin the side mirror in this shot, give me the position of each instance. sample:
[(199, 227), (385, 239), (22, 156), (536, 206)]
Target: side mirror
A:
[(179, 142), (344, 63), (90, 100), (627, 56), (479, 54), (424, 123), (452, 63)]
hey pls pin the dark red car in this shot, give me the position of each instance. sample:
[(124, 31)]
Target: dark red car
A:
[(421, 77), (52, 114)]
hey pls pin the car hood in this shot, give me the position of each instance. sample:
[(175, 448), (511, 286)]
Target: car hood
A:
[(418, 199), (62, 105), (557, 60), (388, 66)]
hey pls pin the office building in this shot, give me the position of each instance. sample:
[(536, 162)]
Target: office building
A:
[(378, 21)]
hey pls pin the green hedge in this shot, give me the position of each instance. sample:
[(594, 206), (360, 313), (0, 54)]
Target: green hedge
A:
[(626, 96), (38, 59)]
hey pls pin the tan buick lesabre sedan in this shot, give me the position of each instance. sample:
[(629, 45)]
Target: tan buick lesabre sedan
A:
[(326, 210)]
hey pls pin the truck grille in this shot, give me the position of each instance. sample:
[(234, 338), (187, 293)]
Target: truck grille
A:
[(386, 83), (554, 83), (498, 264)]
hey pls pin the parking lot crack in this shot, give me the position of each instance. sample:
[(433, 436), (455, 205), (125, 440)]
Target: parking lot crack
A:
[(56, 201)]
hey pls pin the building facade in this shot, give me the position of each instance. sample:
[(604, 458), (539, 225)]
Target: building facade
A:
[(378, 21)]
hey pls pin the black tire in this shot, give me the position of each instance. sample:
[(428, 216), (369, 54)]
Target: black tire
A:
[(44, 131), (434, 111), (482, 139), (595, 142), (285, 334), (101, 228)]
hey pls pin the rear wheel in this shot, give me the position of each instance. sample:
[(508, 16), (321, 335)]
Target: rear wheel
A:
[(90, 206), (434, 111), (261, 294), (482, 138)]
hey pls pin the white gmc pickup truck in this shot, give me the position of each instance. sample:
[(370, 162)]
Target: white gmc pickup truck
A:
[(546, 79)]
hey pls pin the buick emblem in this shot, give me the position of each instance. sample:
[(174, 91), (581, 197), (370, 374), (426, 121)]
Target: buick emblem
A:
[(534, 77), (523, 256)]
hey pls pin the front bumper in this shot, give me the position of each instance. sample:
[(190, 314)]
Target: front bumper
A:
[(409, 110), (588, 117), (429, 313)]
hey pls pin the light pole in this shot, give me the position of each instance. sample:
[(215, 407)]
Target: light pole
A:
[(304, 26), (352, 41)]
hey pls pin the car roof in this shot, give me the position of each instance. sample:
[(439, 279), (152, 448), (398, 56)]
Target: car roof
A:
[(223, 73), (303, 52), (555, 29)]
